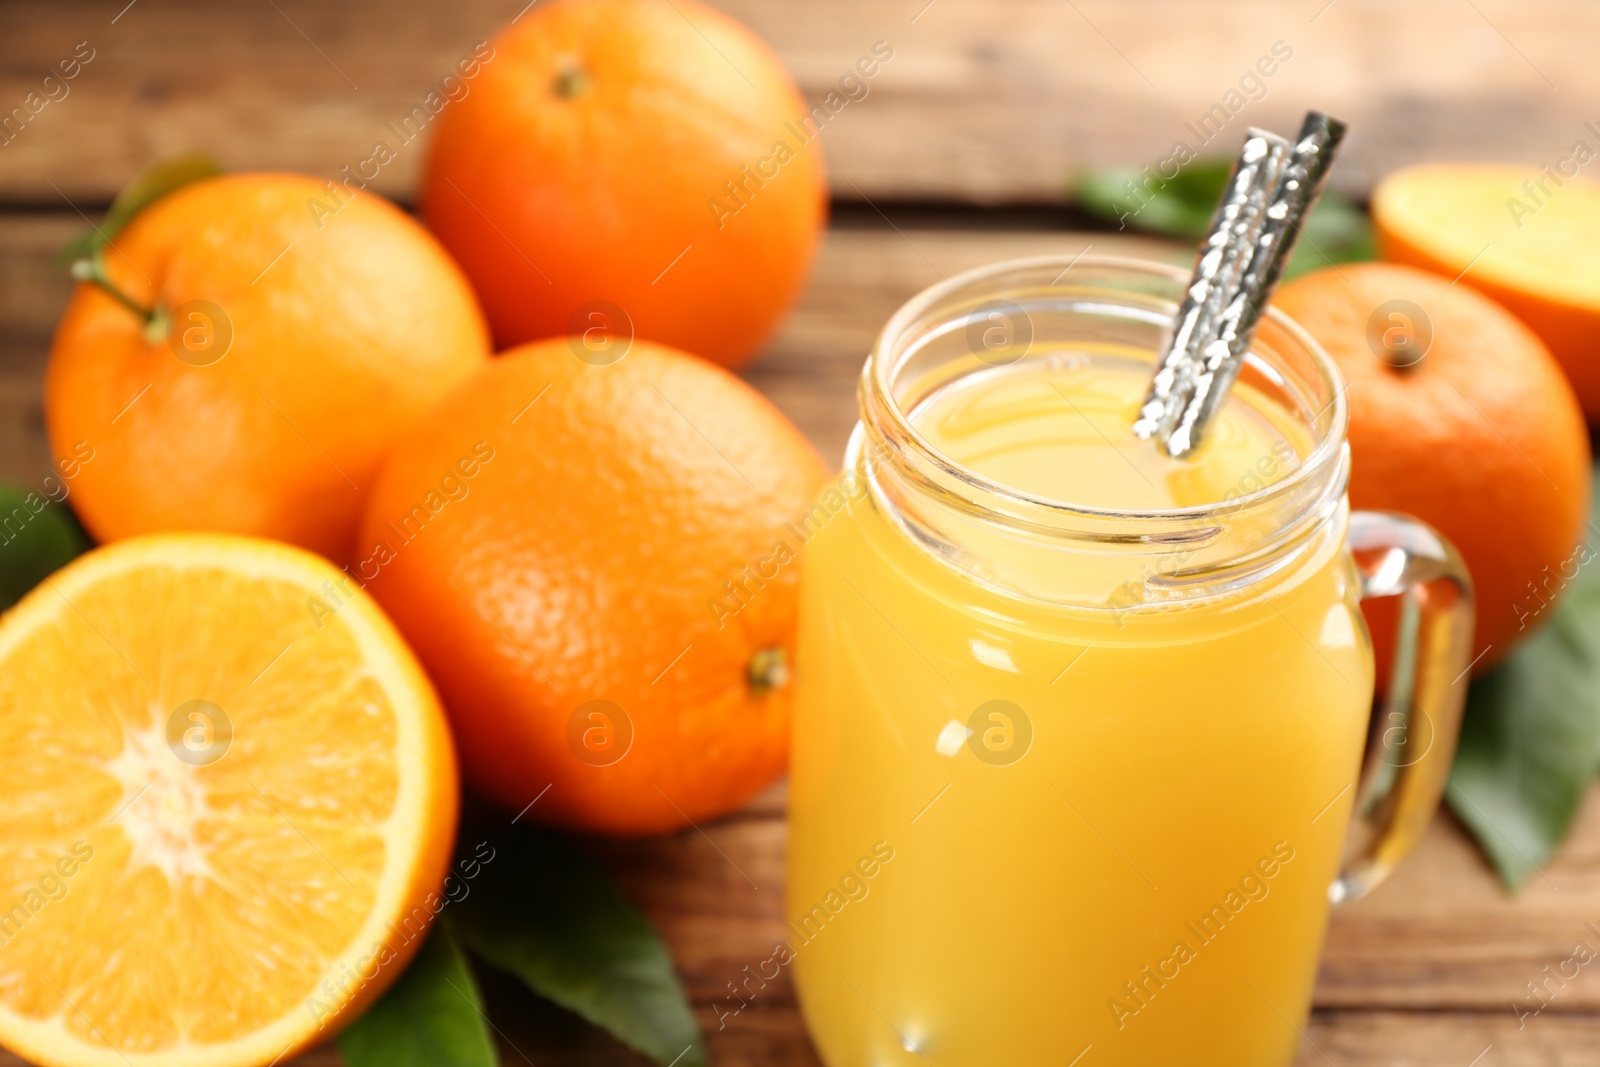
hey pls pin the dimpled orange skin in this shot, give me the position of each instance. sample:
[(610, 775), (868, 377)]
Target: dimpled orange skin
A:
[(583, 561), (1483, 439), (339, 343), (581, 164)]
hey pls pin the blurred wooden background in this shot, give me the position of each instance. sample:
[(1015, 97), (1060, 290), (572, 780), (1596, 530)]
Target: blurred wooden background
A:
[(962, 153), (985, 101)]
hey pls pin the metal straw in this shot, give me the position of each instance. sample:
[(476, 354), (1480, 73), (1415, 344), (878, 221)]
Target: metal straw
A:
[(1224, 254), (1268, 196)]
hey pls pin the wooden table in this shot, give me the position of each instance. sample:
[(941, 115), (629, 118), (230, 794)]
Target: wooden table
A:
[(985, 102)]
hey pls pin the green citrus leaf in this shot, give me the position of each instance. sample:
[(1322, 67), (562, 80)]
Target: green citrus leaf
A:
[(1337, 231), (1135, 197), (548, 914), (1531, 736), (38, 535), (149, 185), (431, 1017)]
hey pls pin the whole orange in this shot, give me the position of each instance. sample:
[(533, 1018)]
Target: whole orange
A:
[(308, 325), (1459, 416), (593, 562), (646, 167)]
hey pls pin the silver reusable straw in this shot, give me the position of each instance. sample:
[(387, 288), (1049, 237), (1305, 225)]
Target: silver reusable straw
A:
[(1268, 195)]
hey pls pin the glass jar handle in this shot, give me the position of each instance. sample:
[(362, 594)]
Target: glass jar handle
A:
[(1414, 739)]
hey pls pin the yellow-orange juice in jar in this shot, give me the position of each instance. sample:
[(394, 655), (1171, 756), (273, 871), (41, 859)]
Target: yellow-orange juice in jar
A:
[(1079, 727)]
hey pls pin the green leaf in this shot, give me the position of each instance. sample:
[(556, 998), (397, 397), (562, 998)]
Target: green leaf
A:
[(1178, 207), (1531, 736), (38, 536), (548, 914), (1337, 231), (149, 185), (431, 1017)]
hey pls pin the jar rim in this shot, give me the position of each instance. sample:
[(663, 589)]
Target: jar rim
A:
[(882, 364)]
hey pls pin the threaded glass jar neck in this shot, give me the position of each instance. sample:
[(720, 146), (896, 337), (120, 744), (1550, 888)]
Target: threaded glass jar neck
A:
[(1027, 310)]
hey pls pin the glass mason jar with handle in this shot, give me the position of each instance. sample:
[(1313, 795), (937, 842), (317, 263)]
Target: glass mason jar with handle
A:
[(1084, 746)]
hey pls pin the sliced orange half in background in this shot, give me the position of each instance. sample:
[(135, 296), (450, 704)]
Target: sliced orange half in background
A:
[(227, 794), (1529, 237)]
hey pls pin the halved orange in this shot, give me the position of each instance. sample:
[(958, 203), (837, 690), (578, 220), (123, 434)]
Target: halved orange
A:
[(1528, 237), (227, 796)]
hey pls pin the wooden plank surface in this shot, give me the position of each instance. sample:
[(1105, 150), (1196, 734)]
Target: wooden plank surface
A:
[(1422, 973), (987, 100), (1333, 1039)]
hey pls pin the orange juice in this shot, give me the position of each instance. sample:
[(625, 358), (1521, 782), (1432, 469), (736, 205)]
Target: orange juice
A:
[(1088, 809)]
